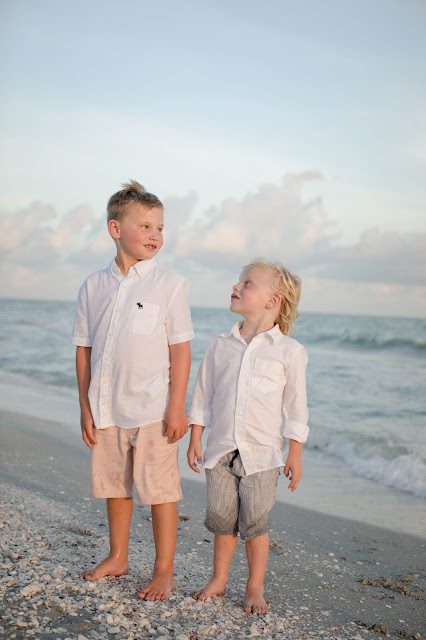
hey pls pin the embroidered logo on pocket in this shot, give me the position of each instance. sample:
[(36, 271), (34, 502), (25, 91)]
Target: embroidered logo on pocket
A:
[(145, 322)]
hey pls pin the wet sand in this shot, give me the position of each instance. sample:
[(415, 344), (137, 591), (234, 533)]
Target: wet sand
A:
[(328, 577)]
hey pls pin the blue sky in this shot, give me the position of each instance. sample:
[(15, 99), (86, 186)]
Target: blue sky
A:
[(208, 103)]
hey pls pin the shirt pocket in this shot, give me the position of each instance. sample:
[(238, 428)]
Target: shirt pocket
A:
[(268, 376), (143, 317)]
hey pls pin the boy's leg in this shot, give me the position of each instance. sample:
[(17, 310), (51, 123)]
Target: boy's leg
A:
[(257, 551), (164, 526), (224, 547), (257, 497), (221, 519), (157, 481), (119, 517), (112, 478)]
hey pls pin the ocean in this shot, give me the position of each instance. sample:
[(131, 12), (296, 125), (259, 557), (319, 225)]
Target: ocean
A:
[(366, 391)]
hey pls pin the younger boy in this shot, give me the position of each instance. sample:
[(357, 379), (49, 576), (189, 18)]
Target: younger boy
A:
[(251, 391), (132, 332)]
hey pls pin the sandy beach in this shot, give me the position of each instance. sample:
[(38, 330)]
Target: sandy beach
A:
[(328, 577)]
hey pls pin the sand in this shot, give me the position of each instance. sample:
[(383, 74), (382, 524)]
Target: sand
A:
[(328, 577)]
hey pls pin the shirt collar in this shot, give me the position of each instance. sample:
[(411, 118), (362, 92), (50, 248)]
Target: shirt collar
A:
[(140, 267), (273, 334)]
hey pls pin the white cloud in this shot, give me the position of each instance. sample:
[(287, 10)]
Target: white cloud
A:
[(273, 221), (49, 255), (388, 257)]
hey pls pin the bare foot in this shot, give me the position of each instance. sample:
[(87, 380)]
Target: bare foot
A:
[(255, 602), (108, 567), (215, 587), (159, 587)]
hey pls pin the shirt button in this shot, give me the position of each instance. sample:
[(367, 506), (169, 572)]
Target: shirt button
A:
[(104, 381), (111, 334), (241, 413), (103, 403), (117, 310)]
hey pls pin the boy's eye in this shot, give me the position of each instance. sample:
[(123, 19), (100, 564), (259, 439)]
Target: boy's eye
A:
[(144, 226), (247, 283), (160, 229)]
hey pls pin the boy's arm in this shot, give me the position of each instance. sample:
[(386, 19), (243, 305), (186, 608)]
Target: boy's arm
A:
[(180, 365), (82, 361), (195, 448), (200, 412), (294, 464), (295, 411)]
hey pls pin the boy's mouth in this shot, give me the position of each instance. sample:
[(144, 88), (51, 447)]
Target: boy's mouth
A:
[(234, 297), (151, 247)]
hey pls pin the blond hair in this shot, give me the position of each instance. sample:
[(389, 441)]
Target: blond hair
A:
[(132, 191), (286, 284)]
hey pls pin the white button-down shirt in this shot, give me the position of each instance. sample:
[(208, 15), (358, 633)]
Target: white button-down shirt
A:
[(252, 396), (130, 322)]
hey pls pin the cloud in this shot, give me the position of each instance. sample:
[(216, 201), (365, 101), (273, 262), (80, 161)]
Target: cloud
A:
[(46, 254), (388, 257), (275, 220)]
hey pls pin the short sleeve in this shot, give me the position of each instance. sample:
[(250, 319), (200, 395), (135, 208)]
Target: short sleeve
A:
[(295, 402), (81, 332), (178, 319)]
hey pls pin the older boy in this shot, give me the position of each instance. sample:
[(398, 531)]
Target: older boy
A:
[(132, 332)]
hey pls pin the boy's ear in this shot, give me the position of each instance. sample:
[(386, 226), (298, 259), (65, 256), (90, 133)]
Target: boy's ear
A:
[(114, 229), (274, 301)]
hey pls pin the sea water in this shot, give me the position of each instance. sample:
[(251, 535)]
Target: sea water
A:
[(366, 380)]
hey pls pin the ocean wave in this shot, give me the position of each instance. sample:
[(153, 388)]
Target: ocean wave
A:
[(367, 341), (394, 464)]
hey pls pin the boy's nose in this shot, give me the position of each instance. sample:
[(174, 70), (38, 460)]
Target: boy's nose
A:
[(235, 287)]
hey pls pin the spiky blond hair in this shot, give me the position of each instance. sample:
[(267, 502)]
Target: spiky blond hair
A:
[(132, 191)]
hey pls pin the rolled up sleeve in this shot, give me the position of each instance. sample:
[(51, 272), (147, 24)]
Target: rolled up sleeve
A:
[(81, 332), (295, 406), (201, 410)]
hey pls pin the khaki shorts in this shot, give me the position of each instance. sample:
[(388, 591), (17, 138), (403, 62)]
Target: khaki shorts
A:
[(141, 457)]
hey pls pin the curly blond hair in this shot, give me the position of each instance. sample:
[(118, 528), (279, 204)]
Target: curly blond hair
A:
[(286, 284), (132, 191)]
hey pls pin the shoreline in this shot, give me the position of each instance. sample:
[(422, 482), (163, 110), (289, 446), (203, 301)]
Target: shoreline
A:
[(327, 576), (328, 485)]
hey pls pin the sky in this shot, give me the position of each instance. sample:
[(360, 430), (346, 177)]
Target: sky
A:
[(286, 130)]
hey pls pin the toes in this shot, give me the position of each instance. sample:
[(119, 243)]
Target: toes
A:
[(87, 575)]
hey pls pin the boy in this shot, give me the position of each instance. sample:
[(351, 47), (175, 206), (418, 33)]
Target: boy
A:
[(251, 391), (132, 332)]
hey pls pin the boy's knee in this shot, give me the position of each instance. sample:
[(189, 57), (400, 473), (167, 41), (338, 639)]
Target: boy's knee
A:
[(254, 529), (221, 522)]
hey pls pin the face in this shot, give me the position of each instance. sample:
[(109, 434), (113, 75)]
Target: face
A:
[(253, 292), (139, 235)]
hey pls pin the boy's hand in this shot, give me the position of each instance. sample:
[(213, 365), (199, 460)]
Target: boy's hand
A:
[(194, 452), (294, 465), (176, 424), (88, 428)]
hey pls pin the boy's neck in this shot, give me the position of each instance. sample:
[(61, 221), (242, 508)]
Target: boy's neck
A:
[(251, 327), (124, 263)]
